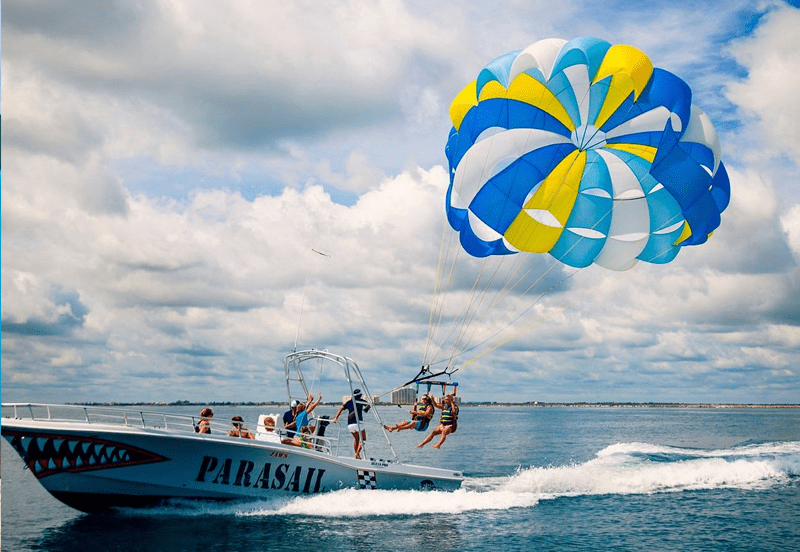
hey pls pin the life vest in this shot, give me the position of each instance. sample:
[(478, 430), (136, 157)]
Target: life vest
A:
[(447, 416), (424, 410), (450, 417)]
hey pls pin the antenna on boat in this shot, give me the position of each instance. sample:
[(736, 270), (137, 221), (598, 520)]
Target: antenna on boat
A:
[(303, 302)]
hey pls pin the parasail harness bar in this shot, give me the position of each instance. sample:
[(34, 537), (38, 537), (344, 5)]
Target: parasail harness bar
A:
[(424, 377)]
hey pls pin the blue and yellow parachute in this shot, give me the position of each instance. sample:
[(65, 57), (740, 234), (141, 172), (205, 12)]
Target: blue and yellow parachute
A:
[(584, 150)]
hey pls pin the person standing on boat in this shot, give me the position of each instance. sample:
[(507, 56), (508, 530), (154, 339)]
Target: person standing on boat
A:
[(288, 423), (447, 423), (355, 408)]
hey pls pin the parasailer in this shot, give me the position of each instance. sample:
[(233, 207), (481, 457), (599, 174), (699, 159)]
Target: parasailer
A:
[(448, 422)]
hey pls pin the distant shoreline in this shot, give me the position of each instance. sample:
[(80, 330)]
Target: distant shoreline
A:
[(534, 404)]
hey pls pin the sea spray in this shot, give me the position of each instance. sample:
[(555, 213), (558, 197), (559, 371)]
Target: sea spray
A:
[(642, 468)]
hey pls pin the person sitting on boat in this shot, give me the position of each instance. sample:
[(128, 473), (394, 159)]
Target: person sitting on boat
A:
[(355, 407), (447, 422), (288, 423), (421, 416), (303, 438), (239, 430), (204, 425), (268, 433)]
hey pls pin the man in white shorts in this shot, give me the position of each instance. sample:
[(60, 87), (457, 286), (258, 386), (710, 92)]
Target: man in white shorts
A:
[(355, 407)]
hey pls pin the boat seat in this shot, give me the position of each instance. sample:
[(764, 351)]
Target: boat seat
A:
[(261, 432)]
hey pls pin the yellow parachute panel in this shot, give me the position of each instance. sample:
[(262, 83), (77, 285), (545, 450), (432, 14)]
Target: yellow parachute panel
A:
[(552, 203), (462, 103), (685, 233), (527, 89), (492, 90), (619, 90), (628, 60), (647, 153)]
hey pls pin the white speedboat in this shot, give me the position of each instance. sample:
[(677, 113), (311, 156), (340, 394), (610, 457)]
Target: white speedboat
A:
[(92, 458)]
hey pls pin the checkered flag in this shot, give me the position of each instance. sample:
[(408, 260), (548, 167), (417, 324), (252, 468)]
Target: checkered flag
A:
[(367, 479)]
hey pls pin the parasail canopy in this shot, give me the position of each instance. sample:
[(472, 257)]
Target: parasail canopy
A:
[(583, 150), (580, 149)]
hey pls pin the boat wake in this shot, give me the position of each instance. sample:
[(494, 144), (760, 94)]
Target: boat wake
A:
[(641, 468), (620, 469)]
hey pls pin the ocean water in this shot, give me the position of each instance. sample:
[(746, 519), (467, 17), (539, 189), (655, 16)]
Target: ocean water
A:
[(537, 479)]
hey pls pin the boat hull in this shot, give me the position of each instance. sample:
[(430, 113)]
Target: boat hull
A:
[(92, 467)]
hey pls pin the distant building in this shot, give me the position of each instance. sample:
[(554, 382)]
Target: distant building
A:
[(375, 399), (406, 395)]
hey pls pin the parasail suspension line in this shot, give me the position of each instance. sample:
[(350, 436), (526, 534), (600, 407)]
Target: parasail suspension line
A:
[(303, 301)]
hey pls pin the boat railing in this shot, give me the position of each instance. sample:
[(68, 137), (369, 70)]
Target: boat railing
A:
[(109, 415), (326, 440), (328, 445), (182, 423)]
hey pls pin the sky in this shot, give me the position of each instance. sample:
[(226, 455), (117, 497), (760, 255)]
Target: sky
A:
[(170, 169)]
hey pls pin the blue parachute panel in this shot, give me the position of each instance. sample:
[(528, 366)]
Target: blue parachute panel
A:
[(684, 177), (703, 217), (562, 89), (670, 91), (597, 97), (664, 210), (701, 153), (575, 250), (721, 188), (588, 51), (498, 70), (659, 249), (477, 247)]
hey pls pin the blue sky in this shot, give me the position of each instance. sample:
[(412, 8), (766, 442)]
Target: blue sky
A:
[(170, 165)]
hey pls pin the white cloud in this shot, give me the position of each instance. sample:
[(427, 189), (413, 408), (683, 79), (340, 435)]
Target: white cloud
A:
[(791, 225), (222, 275), (240, 74), (772, 61), (134, 270)]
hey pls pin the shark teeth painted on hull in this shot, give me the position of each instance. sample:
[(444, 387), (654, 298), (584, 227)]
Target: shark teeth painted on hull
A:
[(48, 454)]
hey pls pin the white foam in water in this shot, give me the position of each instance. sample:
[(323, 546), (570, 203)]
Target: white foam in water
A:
[(623, 468), (641, 468), (355, 503)]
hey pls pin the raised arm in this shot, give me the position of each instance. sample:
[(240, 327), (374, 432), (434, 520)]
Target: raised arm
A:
[(311, 406)]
